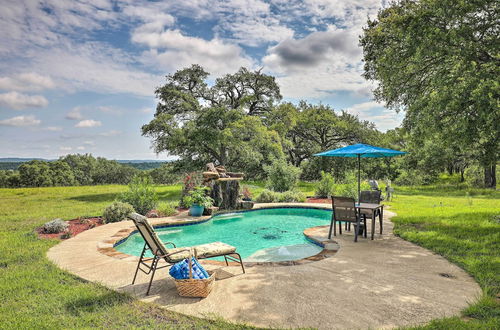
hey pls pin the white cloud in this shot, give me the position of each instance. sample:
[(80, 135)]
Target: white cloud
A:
[(28, 81), (53, 128), (80, 148), (74, 114), (173, 50), (20, 121), (109, 110), (96, 67), (375, 112), (18, 101), (89, 143), (111, 133), (88, 123), (65, 148)]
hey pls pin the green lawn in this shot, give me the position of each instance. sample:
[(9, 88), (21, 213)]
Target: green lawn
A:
[(464, 228)]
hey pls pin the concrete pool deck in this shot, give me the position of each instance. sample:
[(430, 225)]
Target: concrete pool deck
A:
[(383, 283)]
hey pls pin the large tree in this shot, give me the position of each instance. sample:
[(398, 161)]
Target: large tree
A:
[(308, 129), (439, 61), (221, 123)]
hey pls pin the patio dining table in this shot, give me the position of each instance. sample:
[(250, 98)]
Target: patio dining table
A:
[(372, 208)]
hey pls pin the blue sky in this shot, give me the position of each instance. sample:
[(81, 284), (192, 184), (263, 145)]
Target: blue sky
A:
[(79, 76)]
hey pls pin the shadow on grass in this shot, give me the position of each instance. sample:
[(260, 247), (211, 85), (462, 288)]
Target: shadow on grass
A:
[(95, 198), (96, 304), (168, 195), (447, 191)]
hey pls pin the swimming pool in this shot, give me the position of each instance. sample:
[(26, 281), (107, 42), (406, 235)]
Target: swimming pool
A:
[(259, 235)]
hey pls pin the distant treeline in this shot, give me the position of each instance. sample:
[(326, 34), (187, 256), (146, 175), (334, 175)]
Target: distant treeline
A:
[(139, 166), (10, 165), (78, 169)]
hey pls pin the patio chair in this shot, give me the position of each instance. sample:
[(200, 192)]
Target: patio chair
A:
[(344, 210), (174, 254), (372, 197)]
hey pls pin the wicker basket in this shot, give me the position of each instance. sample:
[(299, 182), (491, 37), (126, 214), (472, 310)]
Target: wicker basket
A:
[(195, 287)]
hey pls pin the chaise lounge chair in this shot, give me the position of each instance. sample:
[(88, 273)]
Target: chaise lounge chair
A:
[(174, 254)]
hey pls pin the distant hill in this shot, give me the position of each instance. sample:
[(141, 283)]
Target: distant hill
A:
[(18, 160), (141, 164)]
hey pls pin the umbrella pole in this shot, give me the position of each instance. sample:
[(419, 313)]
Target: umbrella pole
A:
[(359, 176)]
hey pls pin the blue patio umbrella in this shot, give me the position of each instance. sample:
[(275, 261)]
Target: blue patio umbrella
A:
[(361, 151)]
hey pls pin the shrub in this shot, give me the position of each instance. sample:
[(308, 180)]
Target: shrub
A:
[(247, 194), (267, 196), (291, 196), (167, 209), (117, 211), (281, 176), (55, 226), (350, 186), (190, 181), (326, 186), (141, 195)]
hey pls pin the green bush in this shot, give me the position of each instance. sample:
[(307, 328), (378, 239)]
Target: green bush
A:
[(117, 211), (55, 226), (281, 176), (167, 209), (326, 186), (267, 196), (414, 178), (141, 195), (350, 186), (291, 196)]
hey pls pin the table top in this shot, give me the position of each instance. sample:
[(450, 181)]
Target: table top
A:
[(370, 206)]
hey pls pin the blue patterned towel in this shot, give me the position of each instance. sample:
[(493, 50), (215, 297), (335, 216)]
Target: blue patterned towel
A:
[(180, 271)]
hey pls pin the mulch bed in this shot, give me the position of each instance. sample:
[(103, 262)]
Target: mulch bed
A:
[(318, 200), (76, 226)]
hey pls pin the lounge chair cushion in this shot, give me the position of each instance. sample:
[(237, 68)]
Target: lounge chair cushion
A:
[(202, 251)]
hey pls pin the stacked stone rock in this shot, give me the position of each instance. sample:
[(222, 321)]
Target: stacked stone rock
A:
[(224, 186)]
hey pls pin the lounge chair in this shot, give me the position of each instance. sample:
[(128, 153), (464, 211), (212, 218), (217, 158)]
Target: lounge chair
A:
[(344, 209), (174, 254)]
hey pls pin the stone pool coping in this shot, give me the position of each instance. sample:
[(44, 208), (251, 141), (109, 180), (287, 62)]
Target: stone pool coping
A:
[(384, 283), (107, 245)]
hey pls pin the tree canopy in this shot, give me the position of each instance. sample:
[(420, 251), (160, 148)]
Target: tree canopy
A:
[(438, 60)]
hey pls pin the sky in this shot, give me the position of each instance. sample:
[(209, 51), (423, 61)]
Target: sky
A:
[(79, 76)]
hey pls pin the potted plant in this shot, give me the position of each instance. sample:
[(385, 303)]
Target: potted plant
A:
[(197, 200)]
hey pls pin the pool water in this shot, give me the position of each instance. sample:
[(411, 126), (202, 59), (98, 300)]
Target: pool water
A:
[(259, 235)]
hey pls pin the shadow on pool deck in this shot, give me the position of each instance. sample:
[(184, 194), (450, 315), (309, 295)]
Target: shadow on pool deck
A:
[(386, 282)]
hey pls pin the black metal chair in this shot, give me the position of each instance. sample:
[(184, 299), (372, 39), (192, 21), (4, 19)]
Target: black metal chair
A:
[(344, 210), (372, 197), (175, 254)]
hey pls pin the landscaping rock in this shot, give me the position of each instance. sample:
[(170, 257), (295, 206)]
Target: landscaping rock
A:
[(246, 205), (210, 210)]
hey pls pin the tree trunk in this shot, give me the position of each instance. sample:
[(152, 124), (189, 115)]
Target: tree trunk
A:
[(490, 179)]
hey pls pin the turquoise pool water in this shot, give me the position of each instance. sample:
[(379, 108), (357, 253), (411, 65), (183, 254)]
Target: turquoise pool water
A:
[(260, 235)]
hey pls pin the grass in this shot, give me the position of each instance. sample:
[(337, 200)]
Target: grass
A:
[(462, 225), (35, 294)]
